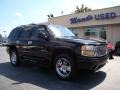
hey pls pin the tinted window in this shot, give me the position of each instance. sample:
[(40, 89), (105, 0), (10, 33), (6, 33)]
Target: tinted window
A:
[(15, 33), (37, 32), (25, 34)]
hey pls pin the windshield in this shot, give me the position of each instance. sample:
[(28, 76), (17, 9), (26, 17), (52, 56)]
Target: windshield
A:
[(60, 31)]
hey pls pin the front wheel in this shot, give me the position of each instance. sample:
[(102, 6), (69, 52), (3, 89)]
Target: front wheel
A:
[(64, 67)]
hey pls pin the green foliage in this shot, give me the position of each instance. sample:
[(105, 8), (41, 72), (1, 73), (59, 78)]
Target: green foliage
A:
[(81, 9), (50, 15), (0, 35)]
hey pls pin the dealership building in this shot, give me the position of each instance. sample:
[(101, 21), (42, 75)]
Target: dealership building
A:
[(101, 23)]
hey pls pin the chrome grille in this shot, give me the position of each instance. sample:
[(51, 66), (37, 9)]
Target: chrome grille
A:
[(100, 50)]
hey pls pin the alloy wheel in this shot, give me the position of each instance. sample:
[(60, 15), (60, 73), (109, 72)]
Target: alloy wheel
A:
[(63, 67)]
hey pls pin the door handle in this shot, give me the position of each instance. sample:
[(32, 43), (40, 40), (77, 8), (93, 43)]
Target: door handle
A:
[(29, 42)]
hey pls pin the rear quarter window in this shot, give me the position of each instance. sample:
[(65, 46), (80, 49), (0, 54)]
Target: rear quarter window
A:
[(15, 33)]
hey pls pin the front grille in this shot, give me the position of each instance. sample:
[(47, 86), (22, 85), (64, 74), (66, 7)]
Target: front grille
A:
[(100, 50)]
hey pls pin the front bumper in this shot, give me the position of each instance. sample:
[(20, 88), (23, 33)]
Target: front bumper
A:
[(87, 63)]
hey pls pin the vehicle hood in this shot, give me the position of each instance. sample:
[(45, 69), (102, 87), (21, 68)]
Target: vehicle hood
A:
[(84, 40)]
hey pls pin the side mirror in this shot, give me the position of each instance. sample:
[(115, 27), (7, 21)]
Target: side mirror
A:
[(43, 36)]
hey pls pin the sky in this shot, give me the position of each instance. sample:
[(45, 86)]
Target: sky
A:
[(14, 13)]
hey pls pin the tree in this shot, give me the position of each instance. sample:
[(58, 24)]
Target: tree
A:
[(77, 9), (62, 12), (50, 15), (82, 9), (1, 37)]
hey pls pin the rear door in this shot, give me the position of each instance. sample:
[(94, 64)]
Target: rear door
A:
[(23, 41)]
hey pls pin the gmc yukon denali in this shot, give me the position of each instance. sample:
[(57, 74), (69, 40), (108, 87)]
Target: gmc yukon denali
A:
[(55, 46)]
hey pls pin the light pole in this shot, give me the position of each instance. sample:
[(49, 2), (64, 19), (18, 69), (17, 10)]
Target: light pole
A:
[(4, 39), (4, 33)]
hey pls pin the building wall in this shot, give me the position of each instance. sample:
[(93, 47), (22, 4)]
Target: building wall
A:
[(79, 31), (112, 24), (65, 20), (113, 33)]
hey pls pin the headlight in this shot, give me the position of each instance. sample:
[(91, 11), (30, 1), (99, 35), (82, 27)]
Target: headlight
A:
[(93, 51), (88, 50)]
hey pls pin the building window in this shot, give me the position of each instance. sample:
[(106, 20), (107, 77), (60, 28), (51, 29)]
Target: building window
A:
[(97, 32), (90, 32)]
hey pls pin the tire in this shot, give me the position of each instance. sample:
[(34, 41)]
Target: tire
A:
[(14, 59), (64, 67), (118, 51)]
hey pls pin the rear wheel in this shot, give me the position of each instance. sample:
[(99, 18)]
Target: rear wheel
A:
[(14, 59), (64, 67)]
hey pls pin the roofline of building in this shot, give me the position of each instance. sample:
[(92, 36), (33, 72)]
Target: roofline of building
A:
[(85, 12)]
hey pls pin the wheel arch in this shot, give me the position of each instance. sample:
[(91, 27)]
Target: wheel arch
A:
[(67, 51), (11, 48)]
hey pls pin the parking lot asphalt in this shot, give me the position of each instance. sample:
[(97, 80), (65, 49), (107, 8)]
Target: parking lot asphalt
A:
[(29, 77)]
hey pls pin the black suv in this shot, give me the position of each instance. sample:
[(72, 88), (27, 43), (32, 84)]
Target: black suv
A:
[(55, 45)]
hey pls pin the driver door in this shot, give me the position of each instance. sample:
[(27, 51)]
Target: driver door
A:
[(38, 46)]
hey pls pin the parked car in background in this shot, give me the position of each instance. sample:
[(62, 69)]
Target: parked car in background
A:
[(55, 46), (0, 43), (4, 42)]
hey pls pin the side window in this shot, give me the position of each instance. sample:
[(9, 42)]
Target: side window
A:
[(25, 34), (15, 34), (37, 32)]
